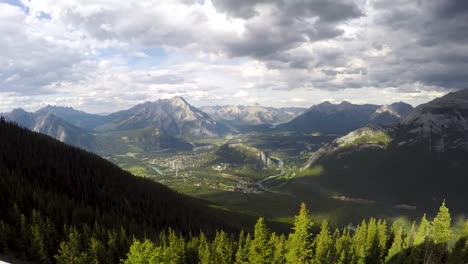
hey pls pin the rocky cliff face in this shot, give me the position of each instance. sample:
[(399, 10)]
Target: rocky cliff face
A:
[(264, 161), (237, 154)]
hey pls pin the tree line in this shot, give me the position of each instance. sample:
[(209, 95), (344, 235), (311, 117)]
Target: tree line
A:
[(371, 241)]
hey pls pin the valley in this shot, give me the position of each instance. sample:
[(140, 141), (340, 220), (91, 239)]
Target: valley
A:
[(234, 160), (270, 193)]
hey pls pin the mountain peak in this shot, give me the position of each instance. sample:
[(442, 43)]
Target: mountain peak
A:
[(17, 111), (178, 100)]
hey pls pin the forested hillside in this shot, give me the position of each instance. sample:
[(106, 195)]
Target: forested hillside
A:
[(62, 203)]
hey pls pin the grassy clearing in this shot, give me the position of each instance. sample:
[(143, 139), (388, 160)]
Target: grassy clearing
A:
[(138, 171), (314, 171), (364, 136)]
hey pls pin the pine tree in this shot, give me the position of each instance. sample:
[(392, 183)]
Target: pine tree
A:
[(279, 248), (441, 234), (424, 231), (243, 246), (332, 252), (299, 248), (260, 250), (421, 242), (222, 248), (176, 248), (441, 226), (72, 250), (343, 247), (24, 236), (359, 243), (38, 246), (97, 251), (398, 245), (322, 242), (382, 237), (372, 243), (191, 252), (143, 253), (204, 252), (412, 235)]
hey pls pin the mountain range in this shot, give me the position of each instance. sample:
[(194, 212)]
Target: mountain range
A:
[(174, 123), (165, 123), (418, 161), (252, 115), (345, 117)]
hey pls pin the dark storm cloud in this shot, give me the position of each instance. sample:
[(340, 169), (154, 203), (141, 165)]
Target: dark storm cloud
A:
[(434, 50), (239, 8), (290, 24), (330, 11)]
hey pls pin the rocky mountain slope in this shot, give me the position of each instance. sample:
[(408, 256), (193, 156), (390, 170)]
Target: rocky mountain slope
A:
[(252, 115), (173, 116), (244, 160), (441, 124), (75, 117), (49, 124), (165, 123), (391, 114)]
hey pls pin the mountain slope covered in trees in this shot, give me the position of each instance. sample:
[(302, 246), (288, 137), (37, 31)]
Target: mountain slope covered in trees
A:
[(55, 196)]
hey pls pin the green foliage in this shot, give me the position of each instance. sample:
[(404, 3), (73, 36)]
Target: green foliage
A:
[(323, 244), (204, 251), (73, 250), (424, 231), (364, 136), (369, 243), (398, 245), (299, 248), (260, 250), (143, 253), (441, 226), (222, 248)]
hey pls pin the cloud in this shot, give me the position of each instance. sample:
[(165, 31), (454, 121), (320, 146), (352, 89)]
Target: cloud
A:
[(112, 54)]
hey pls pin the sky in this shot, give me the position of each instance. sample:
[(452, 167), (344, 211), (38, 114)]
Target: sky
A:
[(107, 55)]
